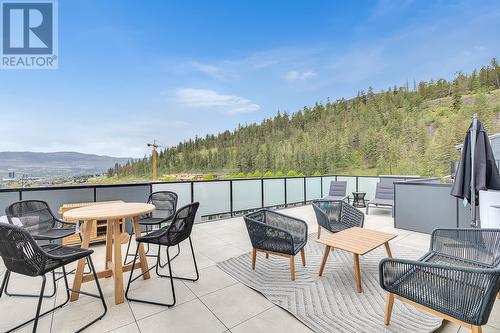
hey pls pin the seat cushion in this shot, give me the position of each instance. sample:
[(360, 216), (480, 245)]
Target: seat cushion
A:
[(383, 202), (52, 234), (65, 254), (335, 197), (151, 221)]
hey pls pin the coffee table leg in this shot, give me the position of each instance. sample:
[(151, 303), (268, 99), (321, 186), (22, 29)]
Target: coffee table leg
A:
[(142, 255), (357, 272), (388, 249), (325, 258), (77, 283)]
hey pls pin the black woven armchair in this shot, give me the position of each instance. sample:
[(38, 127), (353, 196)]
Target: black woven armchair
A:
[(171, 235), (457, 279), (336, 215), (38, 220), (22, 255), (165, 203), (275, 233)]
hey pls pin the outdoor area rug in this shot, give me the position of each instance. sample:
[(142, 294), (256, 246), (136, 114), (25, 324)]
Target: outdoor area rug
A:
[(330, 303)]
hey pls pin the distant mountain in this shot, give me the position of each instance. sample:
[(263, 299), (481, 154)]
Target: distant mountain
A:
[(55, 164)]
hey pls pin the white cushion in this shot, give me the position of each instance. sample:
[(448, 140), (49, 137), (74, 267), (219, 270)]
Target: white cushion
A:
[(15, 220)]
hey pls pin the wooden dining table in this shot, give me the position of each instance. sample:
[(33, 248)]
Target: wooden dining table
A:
[(113, 213)]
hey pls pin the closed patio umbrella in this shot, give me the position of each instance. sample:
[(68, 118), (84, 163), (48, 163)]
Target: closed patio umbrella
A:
[(477, 169)]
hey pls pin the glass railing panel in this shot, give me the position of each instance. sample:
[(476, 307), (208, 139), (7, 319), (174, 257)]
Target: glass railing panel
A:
[(274, 192), (294, 190), (56, 198), (351, 183), (326, 185), (7, 198), (246, 194), (214, 197), (183, 191), (137, 193), (313, 188), (368, 185)]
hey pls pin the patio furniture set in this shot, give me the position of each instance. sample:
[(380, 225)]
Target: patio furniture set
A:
[(463, 260), (457, 280), (31, 244)]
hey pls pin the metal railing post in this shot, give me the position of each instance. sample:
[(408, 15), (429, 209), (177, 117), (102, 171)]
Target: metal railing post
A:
[(231, 197), (284, 181), (321, 179), (305, 191), (262, 192), (192, 192)]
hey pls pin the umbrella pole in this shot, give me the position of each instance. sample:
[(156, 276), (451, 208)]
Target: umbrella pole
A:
[(473, 135)]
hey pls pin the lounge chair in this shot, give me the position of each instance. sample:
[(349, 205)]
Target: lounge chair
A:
[(337, 191), (384, 197)]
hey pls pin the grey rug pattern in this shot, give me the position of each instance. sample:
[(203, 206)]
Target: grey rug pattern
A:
[(330, 303)]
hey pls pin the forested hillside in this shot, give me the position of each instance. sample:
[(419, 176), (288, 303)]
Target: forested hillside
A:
[(404, 130)]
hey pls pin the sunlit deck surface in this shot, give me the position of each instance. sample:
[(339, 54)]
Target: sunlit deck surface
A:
[(216, 303)]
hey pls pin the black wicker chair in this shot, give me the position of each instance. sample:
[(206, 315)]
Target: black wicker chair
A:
[(336, 215), (39, 221), (278, 234), (22, 255), (165, 203), (173, 234), (457, 279)]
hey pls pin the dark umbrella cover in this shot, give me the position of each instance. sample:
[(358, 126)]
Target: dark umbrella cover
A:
[(485, 168)]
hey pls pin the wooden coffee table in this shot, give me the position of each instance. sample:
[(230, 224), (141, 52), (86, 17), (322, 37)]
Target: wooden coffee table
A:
[(358, 241)]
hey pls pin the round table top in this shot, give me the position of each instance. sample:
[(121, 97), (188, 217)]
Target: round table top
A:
[(108, 211)]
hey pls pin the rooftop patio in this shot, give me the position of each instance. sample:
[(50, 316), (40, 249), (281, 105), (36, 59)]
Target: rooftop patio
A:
[(215, 303)]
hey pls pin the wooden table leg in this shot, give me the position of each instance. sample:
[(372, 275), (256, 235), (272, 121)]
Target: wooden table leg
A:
[(388, 249), (77, 282), (117, 264), (325, 258), (357, 273), (109, 243), (142, 255)]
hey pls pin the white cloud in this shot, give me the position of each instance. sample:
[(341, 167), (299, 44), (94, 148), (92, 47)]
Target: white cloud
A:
[(207, 69), (205, 98), (299, 75)]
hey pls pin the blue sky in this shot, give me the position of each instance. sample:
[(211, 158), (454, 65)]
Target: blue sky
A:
[(133, 71)]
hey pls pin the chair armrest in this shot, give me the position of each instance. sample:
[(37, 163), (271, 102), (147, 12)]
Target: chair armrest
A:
[(321, 217), (467, 294), (268, 237), (351, 217), (481, 245), (297, 228), (63, 224)]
